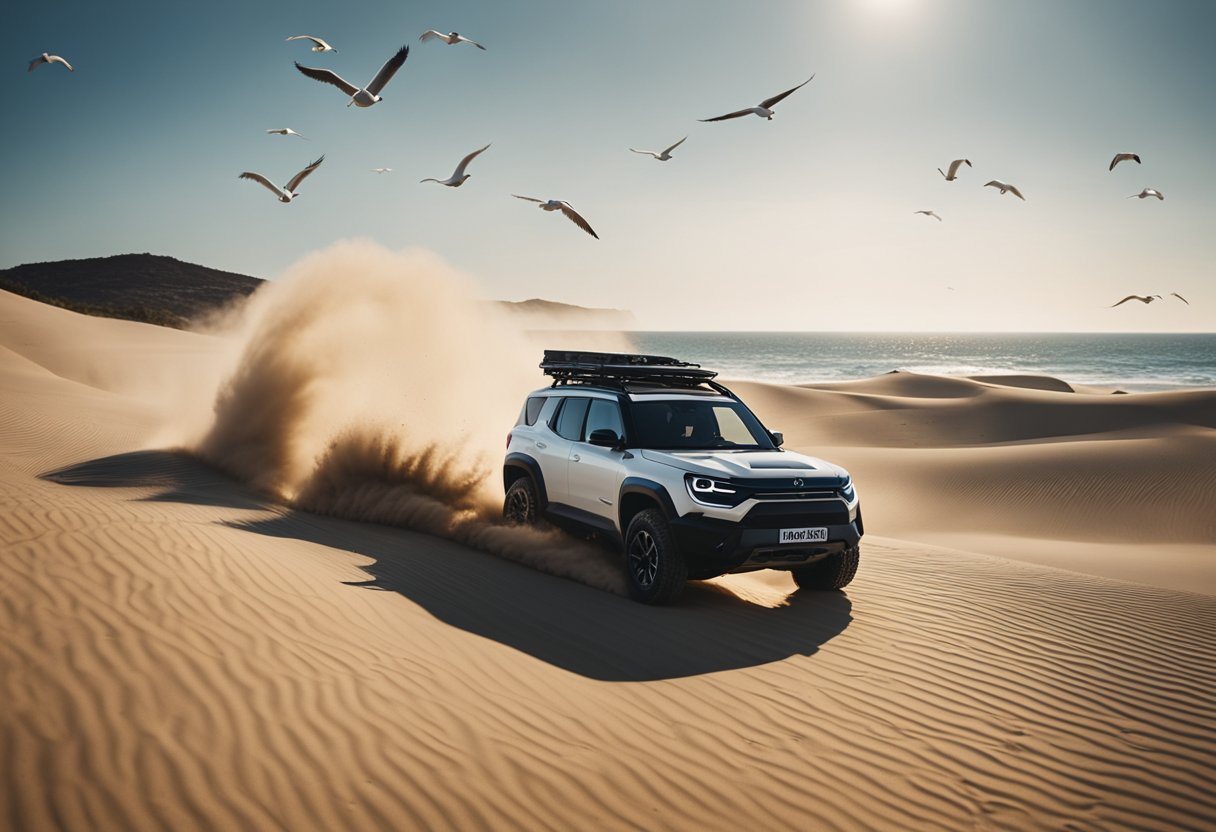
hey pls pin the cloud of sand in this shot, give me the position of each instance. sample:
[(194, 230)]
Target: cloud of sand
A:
[(373, 385)]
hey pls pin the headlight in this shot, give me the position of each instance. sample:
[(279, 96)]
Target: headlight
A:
[(848, 491), (711, 492)]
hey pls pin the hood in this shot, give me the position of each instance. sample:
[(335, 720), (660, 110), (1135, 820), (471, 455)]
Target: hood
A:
[(750, 464)]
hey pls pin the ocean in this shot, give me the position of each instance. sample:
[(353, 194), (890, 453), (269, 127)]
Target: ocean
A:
[(1131, 362)]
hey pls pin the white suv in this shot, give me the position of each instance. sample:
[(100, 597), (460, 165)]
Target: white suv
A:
[(672, 468)]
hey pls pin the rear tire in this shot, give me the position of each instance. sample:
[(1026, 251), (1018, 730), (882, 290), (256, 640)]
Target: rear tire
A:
[(833, 572), (654, 568), (521, 506)]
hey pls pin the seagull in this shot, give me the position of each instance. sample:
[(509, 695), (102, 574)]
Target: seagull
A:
[(954, 166), (1147, 192), (1141, 298), (382, 170), (369, 95), (458, 178), (44, 58), (286, 131), (1181, 298), (566, 208), (320, 45), (451, 38), (1005, 186), (287, 193), (929, 214), (1123, 157), (765, 108), (665, 155)]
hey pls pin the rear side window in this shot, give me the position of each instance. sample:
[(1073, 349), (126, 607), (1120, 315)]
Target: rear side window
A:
[(532, 409), (570, 418), (605, 414)]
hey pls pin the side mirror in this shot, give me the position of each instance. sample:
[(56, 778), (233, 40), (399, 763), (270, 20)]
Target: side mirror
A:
[(605, 438), (778, 438)]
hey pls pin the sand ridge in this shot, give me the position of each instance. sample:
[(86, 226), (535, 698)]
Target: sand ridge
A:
[(181, 651)]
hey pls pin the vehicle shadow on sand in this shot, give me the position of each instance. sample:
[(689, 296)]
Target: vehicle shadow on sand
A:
[(583, 630), (575, 627)]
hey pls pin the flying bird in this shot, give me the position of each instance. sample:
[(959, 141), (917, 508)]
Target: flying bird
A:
[(285, 131), (566, 208), (458, 178), (662, 156), (765, 108), (451, 38), (44, 58), (1005, 186), (382, 170), (929, 214), (318, 44), (370, 94), (1123, 157), (1141, 298), (288, 192), (1181, 298), (1147, 192), (953, 169)]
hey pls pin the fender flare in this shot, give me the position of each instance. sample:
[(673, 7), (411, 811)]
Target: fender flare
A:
[(518, 461), (650, 488)]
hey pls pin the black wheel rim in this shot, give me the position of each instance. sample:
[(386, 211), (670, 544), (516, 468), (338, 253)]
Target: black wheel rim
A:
[(643, 558), (518, 505)]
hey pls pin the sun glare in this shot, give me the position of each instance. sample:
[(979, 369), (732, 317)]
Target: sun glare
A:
[(885, 6)]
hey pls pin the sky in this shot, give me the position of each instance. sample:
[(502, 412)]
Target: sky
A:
[(804, 222)]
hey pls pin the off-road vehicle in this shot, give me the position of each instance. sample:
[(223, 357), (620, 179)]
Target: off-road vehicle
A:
[(671, 468)]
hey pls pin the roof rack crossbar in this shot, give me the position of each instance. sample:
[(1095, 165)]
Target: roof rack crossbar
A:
[(603, 367)]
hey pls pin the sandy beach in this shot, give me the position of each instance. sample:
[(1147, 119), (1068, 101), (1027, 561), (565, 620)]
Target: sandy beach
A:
[(1030, 642)]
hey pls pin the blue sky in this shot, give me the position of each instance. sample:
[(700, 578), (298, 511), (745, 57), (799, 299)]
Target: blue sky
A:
[(804, 222)]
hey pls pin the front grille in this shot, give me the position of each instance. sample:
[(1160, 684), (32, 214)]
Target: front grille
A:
[(797, 495), (775, 515)]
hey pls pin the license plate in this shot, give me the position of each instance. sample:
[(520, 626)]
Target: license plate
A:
[(819, 535)]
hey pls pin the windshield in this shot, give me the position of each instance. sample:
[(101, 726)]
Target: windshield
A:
[(687, 425)]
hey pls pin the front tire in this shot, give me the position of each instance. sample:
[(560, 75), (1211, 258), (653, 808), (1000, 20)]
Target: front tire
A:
[(654, 568), (521, 506), (835, 571)]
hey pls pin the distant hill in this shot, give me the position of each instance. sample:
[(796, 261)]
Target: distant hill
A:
[(155, 289), (138, 287)]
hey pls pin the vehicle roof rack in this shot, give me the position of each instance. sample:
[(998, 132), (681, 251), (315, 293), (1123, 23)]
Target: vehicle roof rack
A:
[(614, 369)]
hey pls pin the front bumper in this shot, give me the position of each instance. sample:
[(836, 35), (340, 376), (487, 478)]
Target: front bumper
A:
[(715, 547)]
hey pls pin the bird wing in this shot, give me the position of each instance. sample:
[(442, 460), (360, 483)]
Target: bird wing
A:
[(935, 216), (257, 177), (464, 163), (1181, 298), (1016, 192), (645, 152), (387, 71), (317, 41), (1126, 299), (770, 103), (955, 165), (280, 130), (735, 114), (467, 40), (326, 76), (55, 59), (1156, 193), (528, 198), (578, 220), (674, 146), (1123, 157), (430, 34), (996, 183), (302, 175), (37, 62)]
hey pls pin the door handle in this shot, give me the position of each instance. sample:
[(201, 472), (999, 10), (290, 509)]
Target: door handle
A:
[(576, 457), (540, 444)]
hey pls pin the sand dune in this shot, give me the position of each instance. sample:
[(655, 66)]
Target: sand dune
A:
[(182, 651)]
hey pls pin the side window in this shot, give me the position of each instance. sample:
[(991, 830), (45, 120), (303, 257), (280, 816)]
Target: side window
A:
[(532, 409), (570, 418), (604, 414)]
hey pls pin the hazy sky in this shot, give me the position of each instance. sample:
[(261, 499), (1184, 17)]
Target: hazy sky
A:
[(804, 222)]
